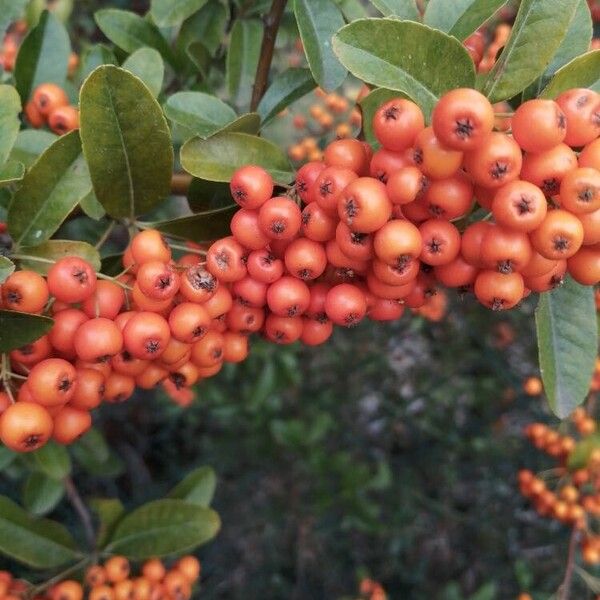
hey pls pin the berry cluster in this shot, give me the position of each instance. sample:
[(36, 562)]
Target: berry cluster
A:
[(372, 590), (49, 105)]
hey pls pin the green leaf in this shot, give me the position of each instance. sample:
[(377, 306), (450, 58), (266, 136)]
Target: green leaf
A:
[(285, 88), (405, 56), (247, 123), (172, 12), (318, 21), (30, 143), (369, 105), (218, 157), (10, 11), (460, 18), (200, 56), (52, 188), (94, 57), (203, 227), (91, 207), (207, 195), (583, 71), (18, 329), (54, 250), (41, 494), (93, 453), (198, 487), (539, 29), (352, 9), (6, 457), (579, 457), (130, 158), (10, 107), (201, 113), (39, 543), (43, 56), (403, 9), (11, 172), (109, 511), (163, 527), (567, 342), (147, 64), (130, 32), (52, 460), (6, 268), (207, 25), (242, 59)]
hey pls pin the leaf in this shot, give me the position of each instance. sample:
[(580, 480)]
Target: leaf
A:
[(131, 32), (39, 543), (91, 207), (405, 56), (579, 457), (201, 113), (30, 143), (198, 487), (130, 158), (318, 21), (369, 105), (41, 494), (147, 64), (285, 88), (403, 9), (10, 107), (18, 329), (172, 12), (109, 511), (43, 56), (6, 268), (207, 195), (460, 18), (10, 11), (94, 57), (93, 453), (242, 59), (54, 250), (6, 457), (200, 56), (51, 189), (247, 123), (583, 71), (207, 25), (567, 343), (218, 157), (11, 172), (163, 527), (203, 227), (537, 33), (53, 460)]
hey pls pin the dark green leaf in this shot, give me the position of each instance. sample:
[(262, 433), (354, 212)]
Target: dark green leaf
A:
[(6, 457), (39, 543), (147, 64), (352, 9), (18, 329), (172, 12), (109, 511), (200, 56), (11, 172), (242, 59), (94, 57), (6, 268), (207, 25), (10, 11), (43, 56), (567, 342), (30, 143), (584, 71), (130, 158), (579, 457), (369, 104), (91, 207), (403, 9), (248, 123), (285, 88), (52, 188), (53, 460), (198, 487), (207, 195), (405, 56), (201, 113), (203, 227), (460, 18), (41, 494), (93, 453), (54, 250), (218, 157), (163, 527), (10, 107), (318, 21), (539, 29)]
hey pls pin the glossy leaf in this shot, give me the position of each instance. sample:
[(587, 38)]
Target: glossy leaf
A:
[(584, 71), (369, 105), (95, 57), (54, 250), (10, 11), (537, 33), (207, 25), (198, 487), (202, 114), (41, 494), (218, 157), (405, 56), (43, 56), (203, 227), (11, 172), (6, 268), (52, 188), (403, 9), (172, 12), (10, 107), (567, 342), (53, 460), (247, 123), (147, 64), (318, 21), (18, 329), (130, 158), (30, 143), (460, 18), (39, 543), (352, 9), (200, 56), (284, 89), (109, 511), (242, 59), (163, 527), (91, 207)]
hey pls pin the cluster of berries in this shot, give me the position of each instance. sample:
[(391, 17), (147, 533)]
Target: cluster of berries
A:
[(50, 105), (370, 589)]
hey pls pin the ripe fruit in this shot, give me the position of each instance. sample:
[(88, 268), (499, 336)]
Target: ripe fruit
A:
[(25, 291), (288, 297), (70, 424), (499, 291), (560, 235), (397, 123), (496, 161), (25, 426), (52, 382), (345, 305), (433, 158), (146, 335), (539, 125), (441, 242), (96, 340), (581, 108), (71, 279), (157, 280), (251, 186), (580, 190), (63, 119), (364, 205), (48, 97), (279, 218), (519, 205), (305, 259)]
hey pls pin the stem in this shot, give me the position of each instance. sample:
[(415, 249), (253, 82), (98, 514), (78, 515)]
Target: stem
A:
[(564, 591), (114, 280), (5, 377), (105, 235), (58, 578), (180, 183), (82, 511), (272, 21), (186, 249)]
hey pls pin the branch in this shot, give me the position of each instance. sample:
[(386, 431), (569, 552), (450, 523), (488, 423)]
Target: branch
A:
[(564, 591), (180, 183), (272, 21), (82, 512)]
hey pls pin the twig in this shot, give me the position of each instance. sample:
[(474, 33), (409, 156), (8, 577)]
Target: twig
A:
[(564, 590), (105, 235), (82, 512), (272, 21), (180, 183), (58, 578)]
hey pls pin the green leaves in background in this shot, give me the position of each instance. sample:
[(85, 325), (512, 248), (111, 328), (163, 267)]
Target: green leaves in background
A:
[(43, 56), (242, 59), (208, 26), (18, 329), (318, 21), (52, 188), (53, 250), (41, 494), (29, 144), (94, 57), (202, 227), (10, 107), (207, 195), (538, 32), (217, 157), (198, 487), (284, 89), (39, 543), (109, 511), (163, 527), (578, 459), (94, 454), (11, 172), (247, 123), (52, 460), (172, 12), (584, 71), (369, 105), (403, 9), (405, 56), (7, 267), (130, 158), (147, 64), (10, 11), (568, 344)]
